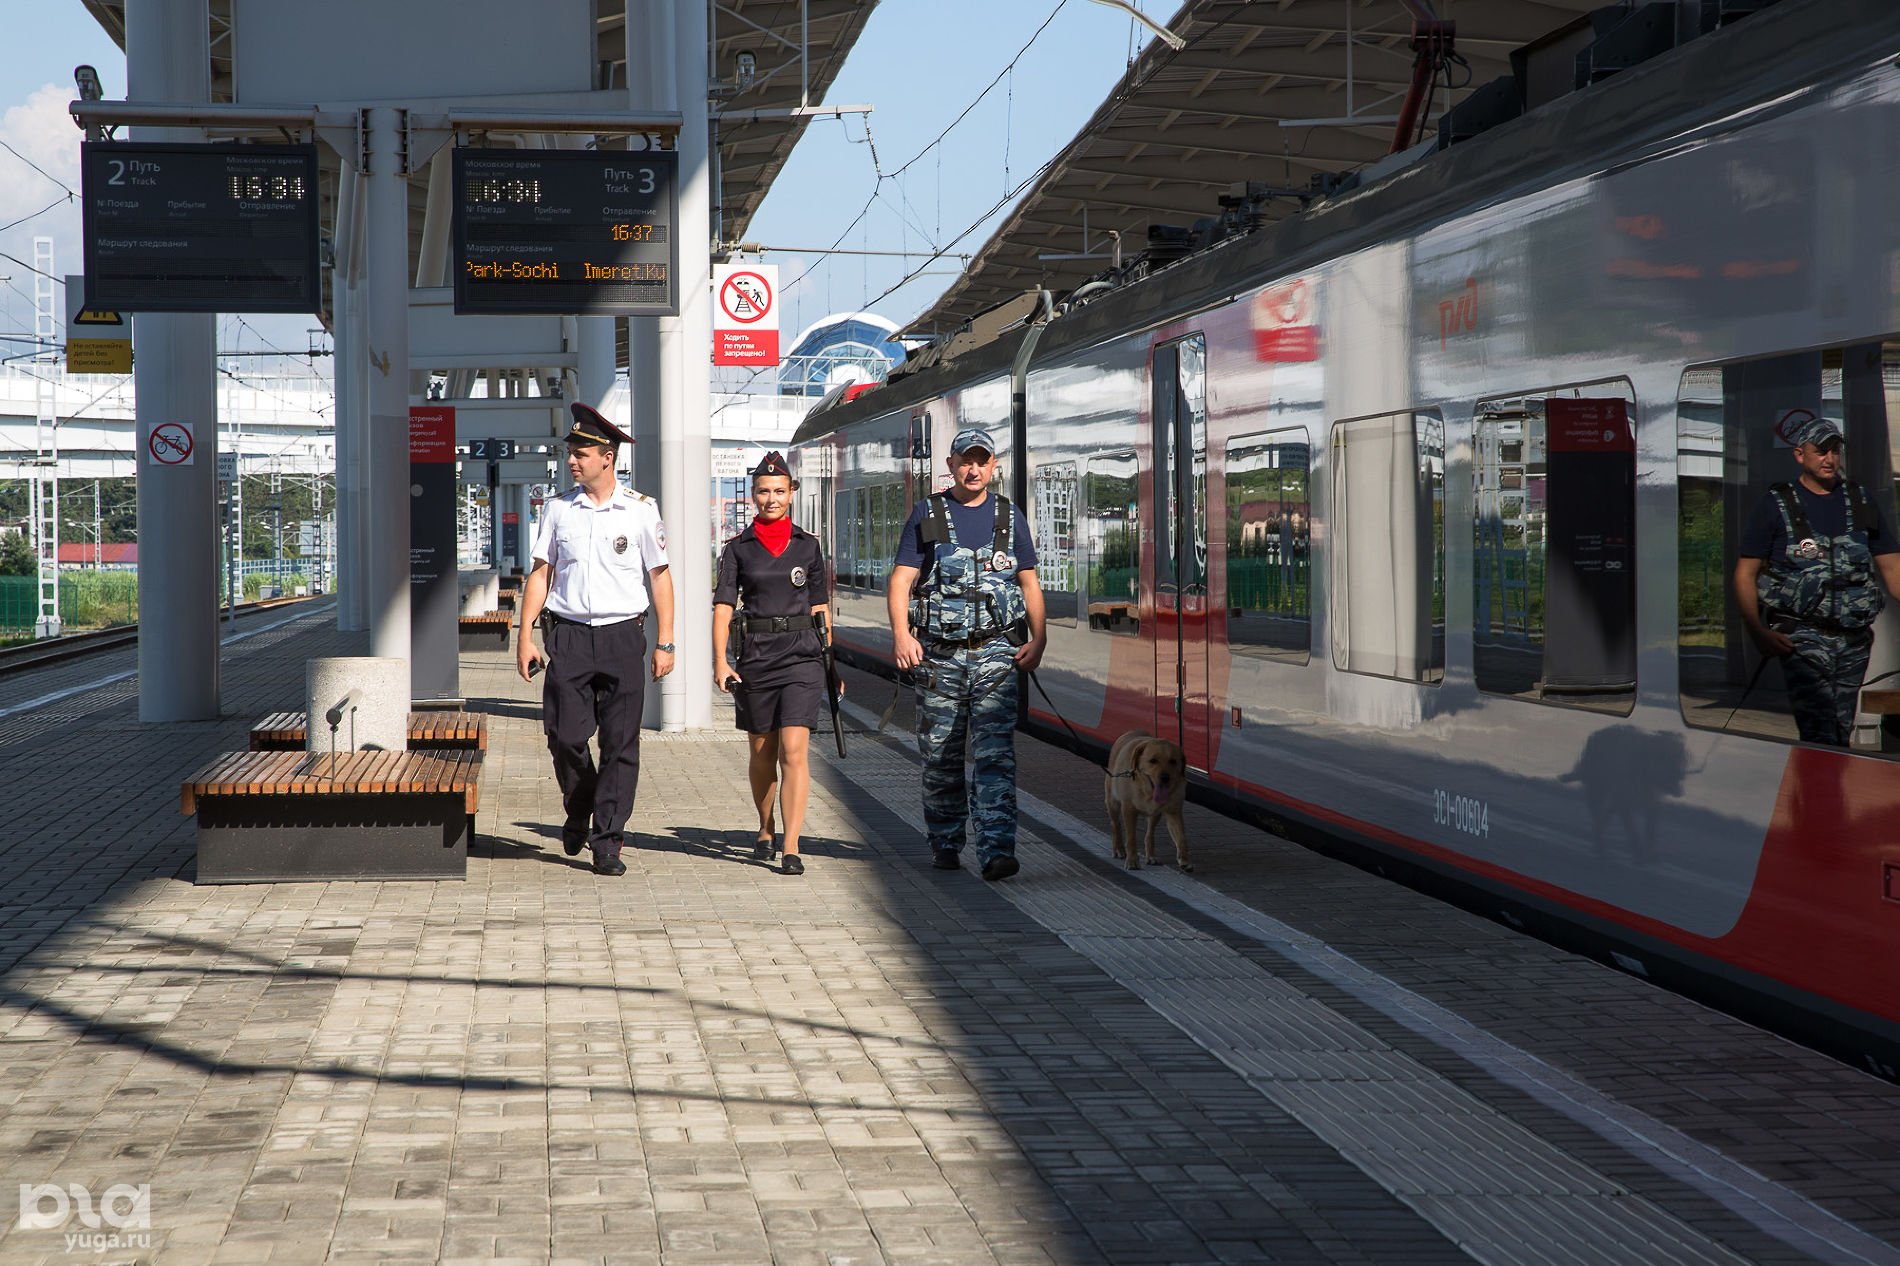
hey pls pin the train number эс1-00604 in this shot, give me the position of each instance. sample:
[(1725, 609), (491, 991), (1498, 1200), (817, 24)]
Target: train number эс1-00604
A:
[(1472, 816)]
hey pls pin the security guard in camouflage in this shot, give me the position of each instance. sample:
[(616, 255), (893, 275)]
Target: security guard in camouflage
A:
[(1815, 554), (966, 612)]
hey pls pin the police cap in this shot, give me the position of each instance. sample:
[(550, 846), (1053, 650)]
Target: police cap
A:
[(591, 428), (773, 463)]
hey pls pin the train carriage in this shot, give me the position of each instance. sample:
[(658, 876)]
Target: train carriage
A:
[(1411, 516)]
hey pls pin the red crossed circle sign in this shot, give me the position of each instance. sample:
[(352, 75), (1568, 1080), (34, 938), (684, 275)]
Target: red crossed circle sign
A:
[(170, 444), (745, 297)]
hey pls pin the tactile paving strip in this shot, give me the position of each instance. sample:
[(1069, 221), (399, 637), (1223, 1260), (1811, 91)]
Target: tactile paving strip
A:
[(1497, 1190)]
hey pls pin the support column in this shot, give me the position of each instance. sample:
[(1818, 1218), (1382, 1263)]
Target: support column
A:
[(685, 393), (524, 531), (168, 58), (385, 295), (349, 573)]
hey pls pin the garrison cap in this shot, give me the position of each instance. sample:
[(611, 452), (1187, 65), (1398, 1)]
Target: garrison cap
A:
[(1820, 432), (972, 437), (773, 463), (591, 428)]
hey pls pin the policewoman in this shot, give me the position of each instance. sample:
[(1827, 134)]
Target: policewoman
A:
[(1815, 555), (966, 613), (594, 550), (771, 612)]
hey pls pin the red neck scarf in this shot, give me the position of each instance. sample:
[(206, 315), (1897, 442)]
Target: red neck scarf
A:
[(774, 536)]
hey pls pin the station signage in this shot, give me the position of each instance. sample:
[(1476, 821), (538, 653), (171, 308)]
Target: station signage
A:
[(572, 232), (745, 314), (200, 228)]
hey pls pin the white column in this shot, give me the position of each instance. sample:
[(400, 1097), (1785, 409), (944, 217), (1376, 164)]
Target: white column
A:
[(385, 295), (649, 87), (685, 394), (524, 532), (168, 58)]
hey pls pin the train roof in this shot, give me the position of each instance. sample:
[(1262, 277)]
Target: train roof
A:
[(1778, 55)]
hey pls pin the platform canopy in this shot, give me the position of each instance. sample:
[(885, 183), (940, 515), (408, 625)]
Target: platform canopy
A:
[(797, 48), (1275, 91)]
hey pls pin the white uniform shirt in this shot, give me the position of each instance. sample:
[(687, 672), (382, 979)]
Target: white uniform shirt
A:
[(598, 555)]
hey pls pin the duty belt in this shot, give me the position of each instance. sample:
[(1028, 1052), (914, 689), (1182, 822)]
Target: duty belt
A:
[(583, 624), (778, 623), (975, 639)]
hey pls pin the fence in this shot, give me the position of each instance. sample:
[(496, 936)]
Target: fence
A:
[(99, 599)]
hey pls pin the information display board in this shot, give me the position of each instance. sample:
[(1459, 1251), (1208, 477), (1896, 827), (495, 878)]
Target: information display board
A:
[(200, 228), (574, 232)]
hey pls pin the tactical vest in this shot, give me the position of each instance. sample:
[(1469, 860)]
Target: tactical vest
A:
[(1823, 580), (967, 593)]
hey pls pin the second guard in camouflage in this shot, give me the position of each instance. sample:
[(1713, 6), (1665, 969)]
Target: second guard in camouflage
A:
[(966, 613)]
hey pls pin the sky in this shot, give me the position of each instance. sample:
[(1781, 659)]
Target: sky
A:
[(919, 64)]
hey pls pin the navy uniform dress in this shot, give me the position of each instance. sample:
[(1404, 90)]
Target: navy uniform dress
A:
[(598, 557), (781, 652)]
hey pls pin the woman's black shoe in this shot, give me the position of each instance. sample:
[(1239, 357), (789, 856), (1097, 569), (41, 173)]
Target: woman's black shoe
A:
[(763, 849), (793, 864)]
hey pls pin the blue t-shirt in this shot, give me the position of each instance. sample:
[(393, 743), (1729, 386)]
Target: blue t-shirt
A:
[(1766, 536), (975, 528)]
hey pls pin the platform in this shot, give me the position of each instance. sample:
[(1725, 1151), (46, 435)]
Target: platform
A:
[(1276, 1059)]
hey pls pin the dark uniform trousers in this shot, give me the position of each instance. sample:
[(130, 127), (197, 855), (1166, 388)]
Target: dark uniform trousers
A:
[(596, 680), (1824, 672)]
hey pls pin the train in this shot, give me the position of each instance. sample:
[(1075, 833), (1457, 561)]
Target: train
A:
[(1411, 515)]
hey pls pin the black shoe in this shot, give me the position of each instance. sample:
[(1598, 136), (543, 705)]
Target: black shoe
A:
[(609, 865), (1002, 866), (793, 864), (762, 850), (574, 837), (945, 858)]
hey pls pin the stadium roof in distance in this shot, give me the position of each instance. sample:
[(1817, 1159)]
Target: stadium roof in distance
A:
[(1265, 90)]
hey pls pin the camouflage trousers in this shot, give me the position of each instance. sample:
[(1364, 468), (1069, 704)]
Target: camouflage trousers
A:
[(966, 699), (1824, 673)]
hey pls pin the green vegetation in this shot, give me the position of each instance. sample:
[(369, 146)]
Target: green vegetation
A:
[(1701, 569)]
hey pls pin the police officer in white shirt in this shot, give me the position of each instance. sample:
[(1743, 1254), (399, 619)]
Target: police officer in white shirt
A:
[(593, 552)]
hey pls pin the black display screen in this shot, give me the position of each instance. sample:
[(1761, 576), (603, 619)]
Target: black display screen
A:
[(200, 228), (574, 232)]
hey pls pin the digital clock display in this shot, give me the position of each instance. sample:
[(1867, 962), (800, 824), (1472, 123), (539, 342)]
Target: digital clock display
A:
[(575, 232), (200, 228), (272, 188)]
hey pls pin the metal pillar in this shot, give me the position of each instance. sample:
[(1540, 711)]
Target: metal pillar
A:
[(686, 388), (385, 296), (46, 440), (168, 58), (524, 533)]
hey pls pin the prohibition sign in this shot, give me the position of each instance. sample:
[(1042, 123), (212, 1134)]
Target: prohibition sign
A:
[(745, 297), (170, 445)]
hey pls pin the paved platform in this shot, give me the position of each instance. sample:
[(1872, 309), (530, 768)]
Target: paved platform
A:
[(1276, 1059)]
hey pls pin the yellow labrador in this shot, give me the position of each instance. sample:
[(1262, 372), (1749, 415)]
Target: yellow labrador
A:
[(1147, 778)]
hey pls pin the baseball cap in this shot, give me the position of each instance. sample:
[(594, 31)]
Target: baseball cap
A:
[(1820, 432), (972, 437)]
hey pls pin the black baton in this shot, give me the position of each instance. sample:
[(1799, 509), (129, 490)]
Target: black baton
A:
[(833, 686)]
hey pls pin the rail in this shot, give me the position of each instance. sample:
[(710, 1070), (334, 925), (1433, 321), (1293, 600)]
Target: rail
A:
[(54, 650)]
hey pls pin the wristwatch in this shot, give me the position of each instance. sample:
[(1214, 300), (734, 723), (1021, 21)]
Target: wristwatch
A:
[(664, 646)]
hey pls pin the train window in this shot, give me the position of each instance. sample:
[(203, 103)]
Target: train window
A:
[(1554, 559), (1737, 425), (1269, 560), (1180, 446), (1052, 496), (1110, 578), (1388, 546)]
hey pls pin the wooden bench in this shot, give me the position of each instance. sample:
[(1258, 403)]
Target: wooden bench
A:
[(270, 816), (505, 601), (428, 731), (484, 632)]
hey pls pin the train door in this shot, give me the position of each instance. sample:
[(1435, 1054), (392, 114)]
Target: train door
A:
[(1180, 555)]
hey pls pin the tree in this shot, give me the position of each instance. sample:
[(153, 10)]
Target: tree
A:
[(16, 556)]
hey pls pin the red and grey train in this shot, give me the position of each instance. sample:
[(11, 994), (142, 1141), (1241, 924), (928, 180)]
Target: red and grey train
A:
[(1411, 515)]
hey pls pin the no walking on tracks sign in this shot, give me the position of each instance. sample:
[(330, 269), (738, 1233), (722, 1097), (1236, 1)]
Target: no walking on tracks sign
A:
[(745, 320)]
